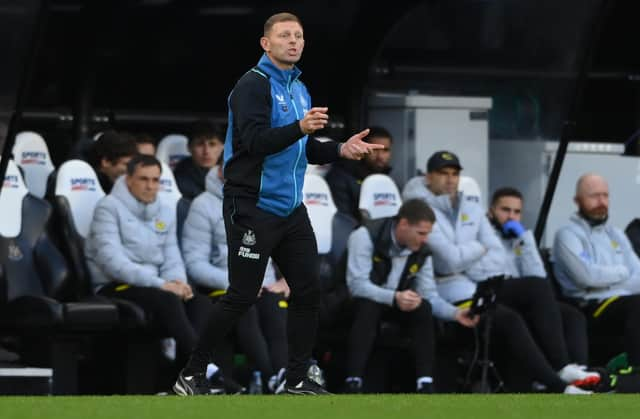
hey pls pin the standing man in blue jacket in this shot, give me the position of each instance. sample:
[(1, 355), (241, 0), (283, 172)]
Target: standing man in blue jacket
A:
[(267, 147)]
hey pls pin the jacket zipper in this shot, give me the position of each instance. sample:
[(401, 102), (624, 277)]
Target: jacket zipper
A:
[(295, 182)]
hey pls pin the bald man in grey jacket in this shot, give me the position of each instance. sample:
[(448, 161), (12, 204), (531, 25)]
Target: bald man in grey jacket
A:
[(597, 268)]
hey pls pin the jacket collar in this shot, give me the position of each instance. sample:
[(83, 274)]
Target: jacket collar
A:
[(576, 218), (213, 183), (441, 202), (142, 211), (282, 76)]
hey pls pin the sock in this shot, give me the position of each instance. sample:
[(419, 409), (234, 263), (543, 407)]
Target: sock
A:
[(197, 363), (211, 370), (423, 380), (354, 379)]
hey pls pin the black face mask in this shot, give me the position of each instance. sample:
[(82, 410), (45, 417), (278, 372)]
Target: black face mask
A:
[(592, 221)]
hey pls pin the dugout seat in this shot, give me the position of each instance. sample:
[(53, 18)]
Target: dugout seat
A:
[(170, 193), (470, 189), (379, 197), (172, 148), (31, 154), (36, 281)]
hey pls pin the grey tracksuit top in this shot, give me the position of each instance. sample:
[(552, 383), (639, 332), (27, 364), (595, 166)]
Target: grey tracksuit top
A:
[(132, 242), (594, 262), (465, 246), (204, 240), (359, 265)]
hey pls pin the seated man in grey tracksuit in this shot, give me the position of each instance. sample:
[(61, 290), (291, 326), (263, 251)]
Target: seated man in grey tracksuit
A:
[(261, 331), (523, 261), (390, 276), (597, 268), (466, 250), (132, 253)]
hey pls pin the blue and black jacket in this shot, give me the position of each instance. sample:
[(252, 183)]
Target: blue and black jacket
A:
[(265, 152)]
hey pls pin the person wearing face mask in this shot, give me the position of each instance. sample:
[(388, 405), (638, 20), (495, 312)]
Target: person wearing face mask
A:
[(466, 251), (597, 268), (523, 261)]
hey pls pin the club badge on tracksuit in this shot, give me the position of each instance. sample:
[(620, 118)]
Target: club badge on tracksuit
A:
[(248, 239)]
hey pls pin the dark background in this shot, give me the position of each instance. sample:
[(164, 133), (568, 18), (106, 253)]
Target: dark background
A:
[(75, 67)]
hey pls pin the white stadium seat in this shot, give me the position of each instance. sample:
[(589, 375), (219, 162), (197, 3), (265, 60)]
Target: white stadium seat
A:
[(379, 197), (172, 148), (31, 154)]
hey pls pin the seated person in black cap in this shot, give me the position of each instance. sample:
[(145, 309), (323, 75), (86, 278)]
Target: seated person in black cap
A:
[(466, 250)]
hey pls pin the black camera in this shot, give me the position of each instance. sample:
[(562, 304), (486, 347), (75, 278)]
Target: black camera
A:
[(486, 295)]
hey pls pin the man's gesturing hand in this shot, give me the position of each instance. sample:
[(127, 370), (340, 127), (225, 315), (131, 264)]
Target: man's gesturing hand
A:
[(314, 120), (355, 148)]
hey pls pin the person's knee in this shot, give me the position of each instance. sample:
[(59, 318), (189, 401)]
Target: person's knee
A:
[(507, 321), (539, 287), (167, 304), (365, 305)]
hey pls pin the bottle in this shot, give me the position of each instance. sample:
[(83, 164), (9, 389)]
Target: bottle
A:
[(255, 386)]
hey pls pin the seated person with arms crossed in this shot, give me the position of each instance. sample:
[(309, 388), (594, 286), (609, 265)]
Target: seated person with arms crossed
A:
[(597, 268)]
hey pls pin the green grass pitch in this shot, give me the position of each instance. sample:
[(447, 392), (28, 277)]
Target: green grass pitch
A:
[(602, 406)]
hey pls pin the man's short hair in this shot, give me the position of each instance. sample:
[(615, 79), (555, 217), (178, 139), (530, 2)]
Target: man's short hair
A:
[(377, 132), (142, 160), (277, 18), (203, 129), (415, 211), (112, 146), (506, 191), (144, 138)]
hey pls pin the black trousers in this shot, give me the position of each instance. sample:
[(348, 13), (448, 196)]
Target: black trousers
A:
[(367, 316), (617, 317), (574, 325), (511, 332), (178, 319), (261, 333), (533, 299), (254, 235)]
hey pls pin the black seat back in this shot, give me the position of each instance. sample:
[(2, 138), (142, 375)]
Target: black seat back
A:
[(32, 265)]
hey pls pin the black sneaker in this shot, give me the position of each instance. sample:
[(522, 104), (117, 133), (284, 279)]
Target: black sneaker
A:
[(306, 387), (230, 386), (196, 384)]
